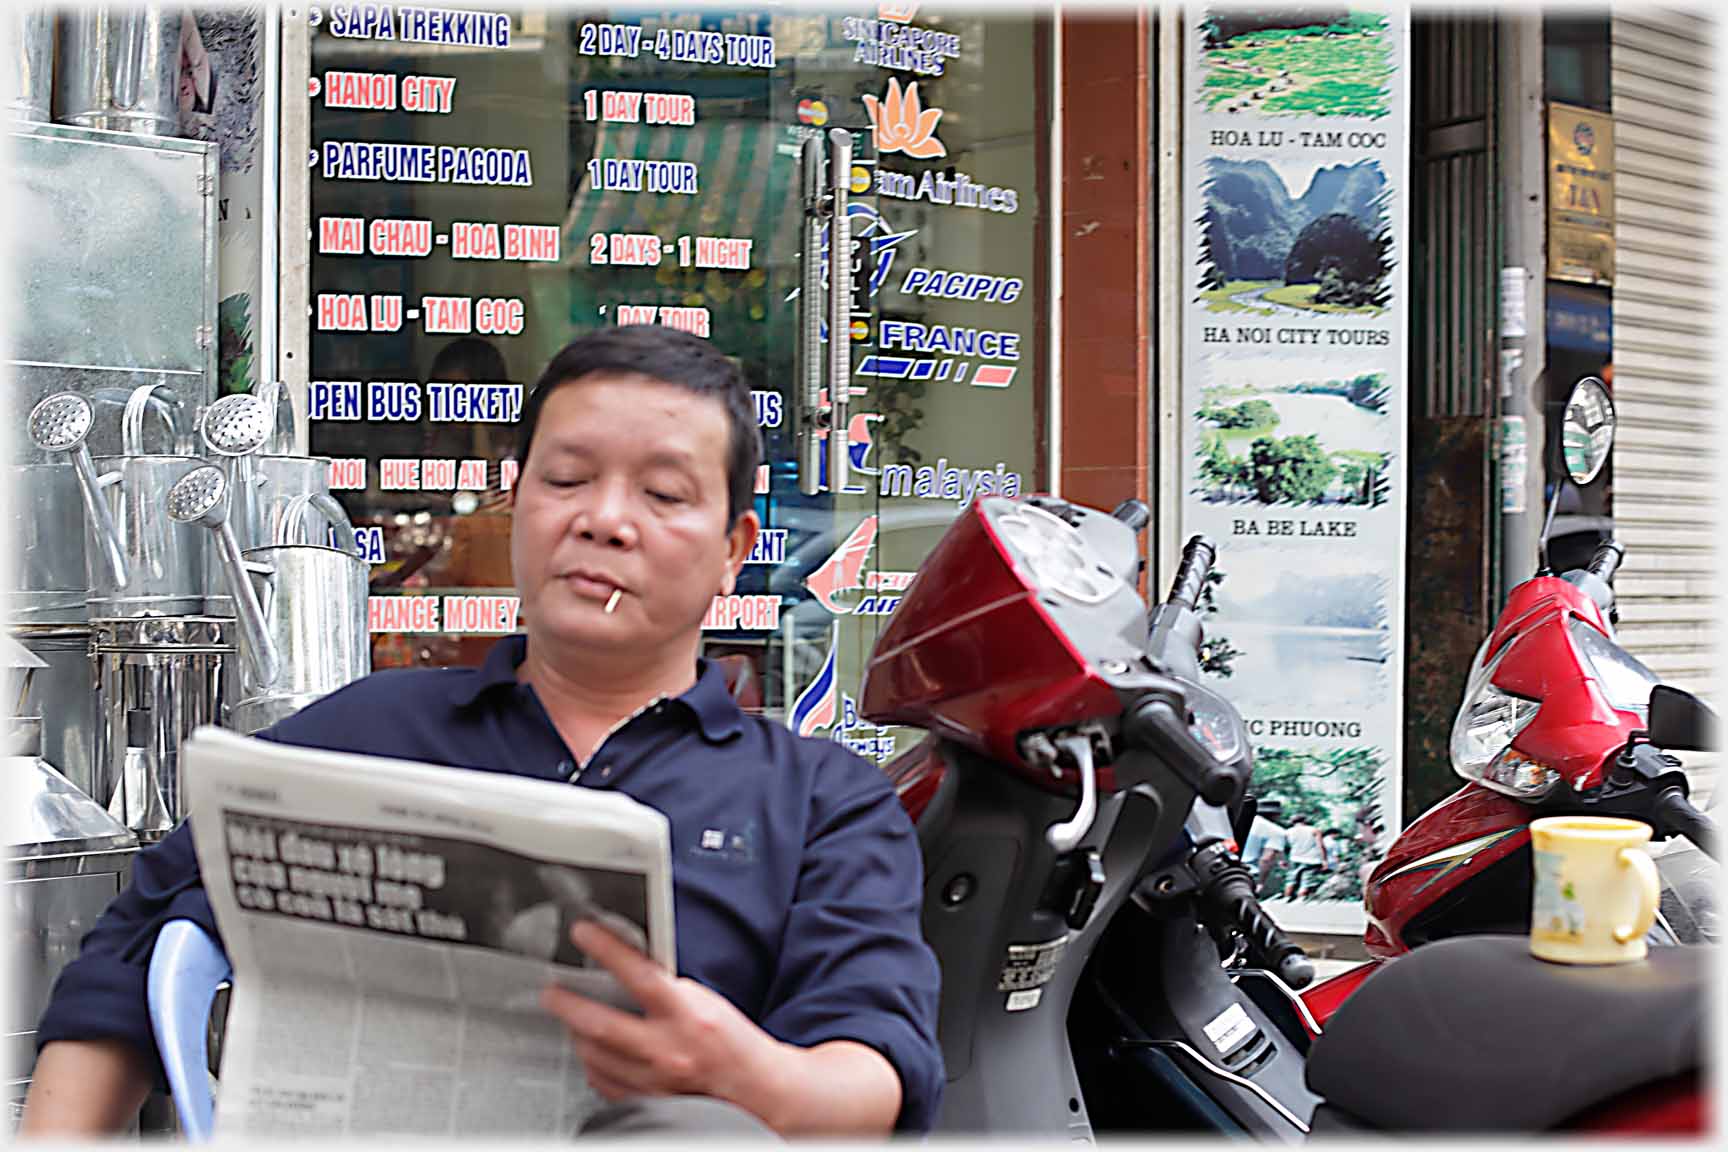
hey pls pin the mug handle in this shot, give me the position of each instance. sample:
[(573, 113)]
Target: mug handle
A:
[(1649, 894)]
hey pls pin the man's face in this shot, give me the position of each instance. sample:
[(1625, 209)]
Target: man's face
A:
[(625, 489)]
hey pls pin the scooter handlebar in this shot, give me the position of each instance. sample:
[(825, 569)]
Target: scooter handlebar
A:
[(1154, 723), (1191, 574), (1228, 895), (1606, 561), (1678, 814)]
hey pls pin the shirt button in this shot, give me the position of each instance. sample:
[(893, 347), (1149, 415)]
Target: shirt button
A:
[(566, 769)]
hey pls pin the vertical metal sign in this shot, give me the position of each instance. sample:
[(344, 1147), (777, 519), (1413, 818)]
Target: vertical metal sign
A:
[(1295, 193)]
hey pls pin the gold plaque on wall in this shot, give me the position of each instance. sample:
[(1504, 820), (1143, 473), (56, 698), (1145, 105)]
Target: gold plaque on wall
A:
[(1580, 195)]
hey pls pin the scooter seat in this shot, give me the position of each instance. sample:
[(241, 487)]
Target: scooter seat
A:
[(1474, 1034)]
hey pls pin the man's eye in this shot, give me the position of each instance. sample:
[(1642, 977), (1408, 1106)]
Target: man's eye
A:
[(664, 497), (563, 481)]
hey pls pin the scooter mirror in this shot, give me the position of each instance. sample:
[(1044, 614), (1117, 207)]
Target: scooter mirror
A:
[(1587, 430), (1680, 722)]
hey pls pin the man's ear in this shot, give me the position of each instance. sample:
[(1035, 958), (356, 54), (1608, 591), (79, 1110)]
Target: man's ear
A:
[(740, 541)]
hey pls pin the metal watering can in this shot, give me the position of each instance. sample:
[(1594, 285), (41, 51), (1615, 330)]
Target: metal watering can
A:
[(138, 563), (301, 606), (263, 486)]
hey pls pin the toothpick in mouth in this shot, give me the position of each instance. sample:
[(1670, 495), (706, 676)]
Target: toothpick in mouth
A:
[(617, 594)]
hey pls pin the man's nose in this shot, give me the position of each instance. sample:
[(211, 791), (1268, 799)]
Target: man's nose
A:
[(609, 516)]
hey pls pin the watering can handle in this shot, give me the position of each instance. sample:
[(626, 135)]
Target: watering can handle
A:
[(132, 421), (291, 527)]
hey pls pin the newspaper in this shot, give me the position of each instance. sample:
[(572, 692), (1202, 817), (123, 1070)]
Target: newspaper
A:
[(391, 927)]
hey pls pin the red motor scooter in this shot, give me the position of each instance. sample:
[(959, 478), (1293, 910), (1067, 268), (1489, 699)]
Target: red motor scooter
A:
[(1557, 719), (1078, 803)]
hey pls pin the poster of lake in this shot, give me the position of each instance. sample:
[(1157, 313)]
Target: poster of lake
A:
[(1295, 177), (1262, 438)]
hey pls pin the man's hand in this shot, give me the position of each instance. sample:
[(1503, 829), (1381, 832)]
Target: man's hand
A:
[(691, 1041)]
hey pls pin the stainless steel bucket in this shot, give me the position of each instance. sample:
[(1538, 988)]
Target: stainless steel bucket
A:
[(32, 47), (158, 679), (120, 68), (64, 695), (164, 560), (46, 529)]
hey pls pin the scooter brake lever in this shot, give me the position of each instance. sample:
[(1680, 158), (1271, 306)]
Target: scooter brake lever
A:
[(1064, 836)]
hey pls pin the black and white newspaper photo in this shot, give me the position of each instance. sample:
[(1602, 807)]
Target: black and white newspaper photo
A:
[(391, 933)]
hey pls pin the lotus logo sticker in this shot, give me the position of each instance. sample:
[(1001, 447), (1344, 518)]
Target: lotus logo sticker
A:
[(902, 124)]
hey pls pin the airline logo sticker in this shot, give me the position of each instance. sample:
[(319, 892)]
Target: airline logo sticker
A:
[(896, 45), (945, 285), (817, 706), (943, 352), (897, 11), (944, 188), (961, 485), (902, 124), (859, 443), (867, 224), (821, 705), (844, 572), (861, 736)]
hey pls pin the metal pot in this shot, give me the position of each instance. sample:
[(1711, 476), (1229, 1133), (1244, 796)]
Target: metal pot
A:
[(158, 679), (63, 694), (46, 526), (32, 62), (120, 68)]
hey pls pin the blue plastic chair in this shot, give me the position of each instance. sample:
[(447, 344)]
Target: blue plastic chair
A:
[(185, 970)]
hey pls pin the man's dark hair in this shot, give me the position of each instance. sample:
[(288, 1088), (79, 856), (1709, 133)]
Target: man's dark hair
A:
[(672, 357)]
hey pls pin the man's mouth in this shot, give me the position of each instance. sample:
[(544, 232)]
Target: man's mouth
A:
[(592, 585)]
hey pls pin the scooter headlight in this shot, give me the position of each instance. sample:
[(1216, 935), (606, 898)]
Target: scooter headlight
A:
[(1482, 736), (1624, 682)]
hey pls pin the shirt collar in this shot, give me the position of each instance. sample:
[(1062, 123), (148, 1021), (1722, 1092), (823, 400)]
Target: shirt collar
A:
[(708, 701)]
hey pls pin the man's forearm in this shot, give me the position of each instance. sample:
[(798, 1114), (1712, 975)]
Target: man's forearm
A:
[(841, 1088), (85, 1087)]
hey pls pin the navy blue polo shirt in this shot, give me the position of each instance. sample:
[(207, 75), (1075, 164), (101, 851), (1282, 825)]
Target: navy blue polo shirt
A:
[(796, 874)]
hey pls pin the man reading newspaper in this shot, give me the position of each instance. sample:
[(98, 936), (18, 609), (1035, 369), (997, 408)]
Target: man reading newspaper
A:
[(805, 998)]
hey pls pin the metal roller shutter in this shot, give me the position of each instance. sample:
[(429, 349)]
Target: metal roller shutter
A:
[(1664, 385)]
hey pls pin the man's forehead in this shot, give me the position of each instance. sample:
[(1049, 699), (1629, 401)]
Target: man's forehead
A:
[(567, 420)]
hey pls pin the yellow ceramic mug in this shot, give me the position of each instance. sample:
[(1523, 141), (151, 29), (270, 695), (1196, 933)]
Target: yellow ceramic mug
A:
[(1596, 890)]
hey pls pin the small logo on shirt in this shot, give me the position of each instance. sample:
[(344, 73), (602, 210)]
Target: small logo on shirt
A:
[(720, 844)]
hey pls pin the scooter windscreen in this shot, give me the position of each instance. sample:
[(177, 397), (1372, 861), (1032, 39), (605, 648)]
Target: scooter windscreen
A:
[(1012, 625)]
